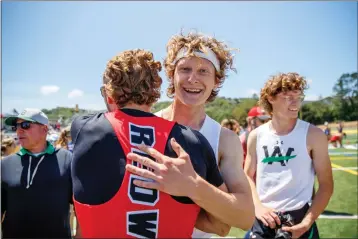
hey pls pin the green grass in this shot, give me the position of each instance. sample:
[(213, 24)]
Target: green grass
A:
[(343, 150), (332, 228), (344, 198), (346, 163), (236, 232)]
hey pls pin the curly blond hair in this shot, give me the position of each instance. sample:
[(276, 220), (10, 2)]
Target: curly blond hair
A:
[(193, 42), (133, 77), (282, 82), (63, 139), (6, 144)]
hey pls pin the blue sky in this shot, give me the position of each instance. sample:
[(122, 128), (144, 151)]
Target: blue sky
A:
[(54, 53)]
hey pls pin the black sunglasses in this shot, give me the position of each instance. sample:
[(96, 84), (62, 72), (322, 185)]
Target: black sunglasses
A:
[(24, 125)]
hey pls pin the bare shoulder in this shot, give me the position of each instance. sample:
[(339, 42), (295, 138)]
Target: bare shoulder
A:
[(252, 135), (315, 135), (228, 137), (229, 144)]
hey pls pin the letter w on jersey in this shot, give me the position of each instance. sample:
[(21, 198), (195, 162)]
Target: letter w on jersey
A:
[(143, 224), (276, 156)]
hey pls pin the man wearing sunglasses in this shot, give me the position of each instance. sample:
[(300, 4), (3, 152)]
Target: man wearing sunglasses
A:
[(285, 154), (36, 187)]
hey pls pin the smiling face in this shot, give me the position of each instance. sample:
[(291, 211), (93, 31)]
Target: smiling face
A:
[(287, 104), (194, 80)]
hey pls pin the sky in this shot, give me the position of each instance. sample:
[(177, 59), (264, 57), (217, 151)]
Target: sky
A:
[(54, 53)]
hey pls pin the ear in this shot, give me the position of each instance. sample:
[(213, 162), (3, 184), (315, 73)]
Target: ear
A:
[(270, 99), (216, 83)]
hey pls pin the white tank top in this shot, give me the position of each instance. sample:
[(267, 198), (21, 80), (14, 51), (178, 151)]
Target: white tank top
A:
[(285, 173), (211, 131)]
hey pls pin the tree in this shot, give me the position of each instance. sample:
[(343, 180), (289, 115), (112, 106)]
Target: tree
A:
[(346, 97)]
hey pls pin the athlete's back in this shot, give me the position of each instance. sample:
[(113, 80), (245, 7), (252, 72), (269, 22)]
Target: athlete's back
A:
[(107, 203)]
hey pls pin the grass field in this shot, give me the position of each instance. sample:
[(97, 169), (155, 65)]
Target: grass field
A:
[(344, 199)]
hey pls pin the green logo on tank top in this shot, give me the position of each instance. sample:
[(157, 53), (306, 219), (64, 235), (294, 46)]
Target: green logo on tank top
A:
[(277, 156)]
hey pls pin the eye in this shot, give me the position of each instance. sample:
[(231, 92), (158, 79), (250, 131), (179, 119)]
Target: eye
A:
[(203, 71), (185, 69)]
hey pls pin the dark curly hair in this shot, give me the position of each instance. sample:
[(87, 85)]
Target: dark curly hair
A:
[(133, 77)]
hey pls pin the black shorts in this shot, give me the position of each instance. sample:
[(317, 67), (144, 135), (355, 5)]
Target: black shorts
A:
[(259, 230)]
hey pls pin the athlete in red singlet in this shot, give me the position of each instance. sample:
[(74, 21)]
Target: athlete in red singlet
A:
[(108, 204)]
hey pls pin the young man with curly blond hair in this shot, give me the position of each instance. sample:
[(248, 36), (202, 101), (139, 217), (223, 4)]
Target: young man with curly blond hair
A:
[(196, 66), (108, 201), (285, 154)]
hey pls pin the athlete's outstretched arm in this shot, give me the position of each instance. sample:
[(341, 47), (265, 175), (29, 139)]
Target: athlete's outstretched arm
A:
[(317, 143), (176, 176)]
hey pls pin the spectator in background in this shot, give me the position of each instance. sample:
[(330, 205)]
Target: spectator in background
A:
[(327, 130), (231, 124), (65, 140), (8, 146), (337, 138), (255, 118), (36, 187), (340, 127)]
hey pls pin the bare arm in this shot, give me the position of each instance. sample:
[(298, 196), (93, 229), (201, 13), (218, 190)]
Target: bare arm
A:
[(322, 166), (250, 166), (266, 215), (230, 206), (208, 223)]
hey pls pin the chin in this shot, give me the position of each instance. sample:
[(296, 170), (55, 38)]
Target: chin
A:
[(192, 102)]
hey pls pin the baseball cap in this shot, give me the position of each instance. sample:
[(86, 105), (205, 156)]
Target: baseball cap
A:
[(32, 115), (259, 113)]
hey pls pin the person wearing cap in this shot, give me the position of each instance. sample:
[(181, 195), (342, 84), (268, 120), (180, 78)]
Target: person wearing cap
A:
[(196, 66), (255, 117), (36, 187), (285, 154)]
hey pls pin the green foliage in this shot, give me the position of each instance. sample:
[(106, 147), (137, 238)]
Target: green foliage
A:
[(160, 105), (345, 100), (61, 112), (342, 105), (222, 108)]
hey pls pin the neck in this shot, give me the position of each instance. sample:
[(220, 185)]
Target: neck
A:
[(192, 116), (145, 108), (41, 147), (282, 125)]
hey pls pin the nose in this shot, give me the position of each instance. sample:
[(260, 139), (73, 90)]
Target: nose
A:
[(19, 130), (192, 78)]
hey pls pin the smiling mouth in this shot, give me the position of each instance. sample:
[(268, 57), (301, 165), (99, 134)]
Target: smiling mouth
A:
[(294, 110), (193, 91)]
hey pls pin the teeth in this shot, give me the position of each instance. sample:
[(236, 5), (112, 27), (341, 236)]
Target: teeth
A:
[(192, 90)]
